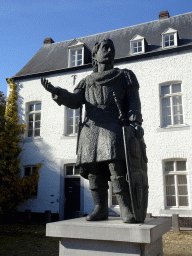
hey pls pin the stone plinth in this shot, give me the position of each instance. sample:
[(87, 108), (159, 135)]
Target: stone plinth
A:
[(109, 238)]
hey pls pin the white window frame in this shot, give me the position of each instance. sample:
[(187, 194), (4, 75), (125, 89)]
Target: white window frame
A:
[(136, 39), (75, 46), (170, 32), (175, 173), (28, 112), (76, 54), (171, 95), (74, 174), (74, 122)]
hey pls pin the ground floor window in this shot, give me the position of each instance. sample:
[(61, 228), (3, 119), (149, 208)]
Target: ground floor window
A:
[(71, 170), (112, 197), (176, 183), (28, 170)]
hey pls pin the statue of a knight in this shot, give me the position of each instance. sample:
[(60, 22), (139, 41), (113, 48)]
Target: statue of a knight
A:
[(104, 152)]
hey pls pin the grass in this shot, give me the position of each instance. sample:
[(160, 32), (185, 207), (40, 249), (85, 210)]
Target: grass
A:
[(30, 240), (26, 240)]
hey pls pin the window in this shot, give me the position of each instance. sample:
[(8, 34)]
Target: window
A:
[(71, 170), (76, 57), (114, 199), (28, 170), (171, 105), (169, 38), (175, 178), (34, 119), (137, 47), (76, 53), (137, 44), (72, 119)]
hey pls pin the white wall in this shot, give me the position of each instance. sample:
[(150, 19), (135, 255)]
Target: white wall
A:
[(161, 143)]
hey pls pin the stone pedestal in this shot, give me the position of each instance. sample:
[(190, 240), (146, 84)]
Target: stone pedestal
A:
[(109, 238)]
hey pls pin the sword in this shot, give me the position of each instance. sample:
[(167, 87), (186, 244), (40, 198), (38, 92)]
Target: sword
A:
[(128, 175), (79, 127)]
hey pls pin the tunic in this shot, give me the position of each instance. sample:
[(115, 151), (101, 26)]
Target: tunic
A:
[(101, 137)]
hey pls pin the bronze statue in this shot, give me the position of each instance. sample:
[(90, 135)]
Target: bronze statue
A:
[(110, 143)]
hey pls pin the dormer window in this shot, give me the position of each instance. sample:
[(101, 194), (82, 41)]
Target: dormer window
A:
[(137, 47), (76, 57), (169, 38), (75, 53), (137, 44)]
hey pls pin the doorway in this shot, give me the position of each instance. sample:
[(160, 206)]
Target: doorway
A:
[(72, 192)]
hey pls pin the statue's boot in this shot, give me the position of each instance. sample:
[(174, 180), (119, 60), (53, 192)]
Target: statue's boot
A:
[(121, 190), (99, 190)]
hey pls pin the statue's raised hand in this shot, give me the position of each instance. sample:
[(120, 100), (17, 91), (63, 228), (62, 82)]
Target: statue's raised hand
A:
[(47, 85)]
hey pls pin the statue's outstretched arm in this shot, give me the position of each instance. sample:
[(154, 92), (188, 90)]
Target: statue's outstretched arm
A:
[(62, 96), (47, 85)]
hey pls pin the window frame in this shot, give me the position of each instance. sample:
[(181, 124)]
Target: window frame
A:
[(136, 39), (74, 124), (73, 175), (170, 32), (171, 95), (29, 166), (136, 42), (115, 208), (27, 119), (175, 174), (70, 50)]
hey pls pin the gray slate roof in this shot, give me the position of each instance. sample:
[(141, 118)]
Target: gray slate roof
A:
[(52, 57)]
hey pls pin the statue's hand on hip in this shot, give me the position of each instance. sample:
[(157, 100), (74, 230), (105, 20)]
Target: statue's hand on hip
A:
[(139, 132), (47, 85)]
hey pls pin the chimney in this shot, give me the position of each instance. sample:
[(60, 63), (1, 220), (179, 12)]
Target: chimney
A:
[(48, 41), (163, 15)]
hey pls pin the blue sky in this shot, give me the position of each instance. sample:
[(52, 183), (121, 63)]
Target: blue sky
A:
[(24, 24)]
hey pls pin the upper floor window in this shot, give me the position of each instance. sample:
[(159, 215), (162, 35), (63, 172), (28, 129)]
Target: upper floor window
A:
[(171, 105), (137, 44), (76, 57), (34, 119), (169, 38), (76, 53), (72, 119), (176, 187)]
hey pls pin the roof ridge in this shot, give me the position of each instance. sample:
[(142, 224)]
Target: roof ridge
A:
[(121, 28)]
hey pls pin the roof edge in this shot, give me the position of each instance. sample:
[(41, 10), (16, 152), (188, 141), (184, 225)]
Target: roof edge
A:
[(124, 59)]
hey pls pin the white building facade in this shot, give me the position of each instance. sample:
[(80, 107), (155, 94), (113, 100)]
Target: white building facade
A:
[(164, 74)]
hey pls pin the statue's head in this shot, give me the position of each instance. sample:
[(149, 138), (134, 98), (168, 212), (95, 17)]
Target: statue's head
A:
[(103, 52)]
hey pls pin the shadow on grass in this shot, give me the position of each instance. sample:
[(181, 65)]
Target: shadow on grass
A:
[(26, 240)]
